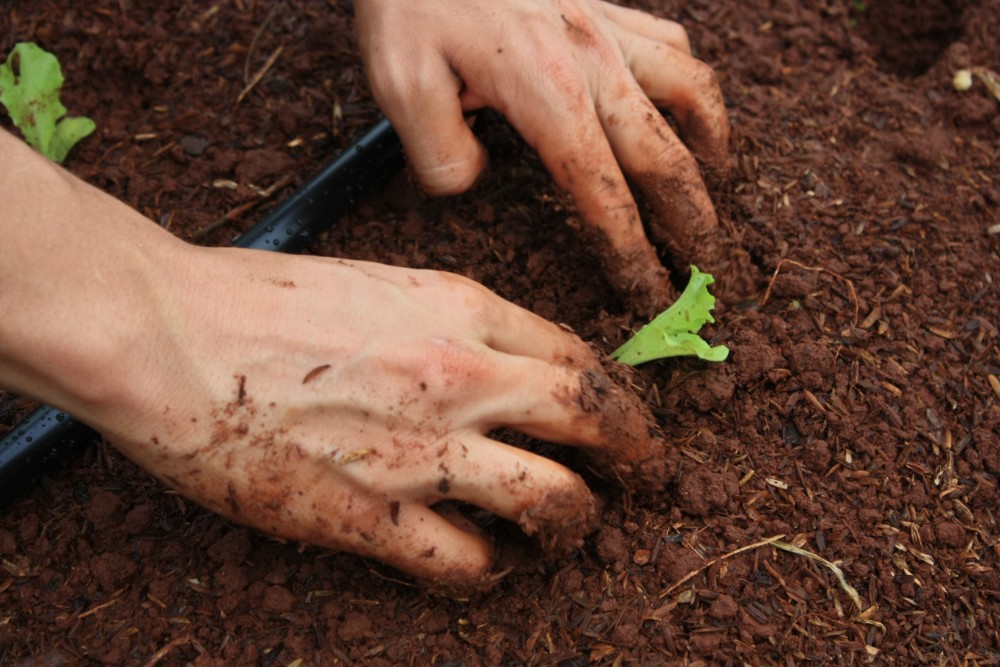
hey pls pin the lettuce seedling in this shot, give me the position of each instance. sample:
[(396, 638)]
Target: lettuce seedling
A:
[(30, 81), (674, 332)]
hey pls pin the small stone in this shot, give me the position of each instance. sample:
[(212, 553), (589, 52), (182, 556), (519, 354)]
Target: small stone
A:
[(962, 80), (641, 557), (723, 608), (278, 599), (194, 146)]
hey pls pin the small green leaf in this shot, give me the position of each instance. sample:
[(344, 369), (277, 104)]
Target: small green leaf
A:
[(674, 332), (30, 81)]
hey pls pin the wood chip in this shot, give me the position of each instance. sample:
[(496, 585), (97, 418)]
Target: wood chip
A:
[(891, 388), (990, 79), (811, 397), (995, 383), (872, 318), (14, 568), (356, 455), (260, 73), (99, 607), (943, 333)]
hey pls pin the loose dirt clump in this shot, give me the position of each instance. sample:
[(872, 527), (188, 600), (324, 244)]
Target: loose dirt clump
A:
[(858, 416)]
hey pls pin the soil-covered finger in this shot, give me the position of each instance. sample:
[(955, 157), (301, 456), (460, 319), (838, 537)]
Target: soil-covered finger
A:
[(444, 552), (439, 551), (639, 275), (547, 500), (681, 215), (680, 212), (544, 401), (634, 451), (721, 253), (690, 91), (514, 330), (575, 150), (594, 406)]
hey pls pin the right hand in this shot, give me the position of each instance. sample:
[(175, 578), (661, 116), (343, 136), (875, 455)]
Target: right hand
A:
[(581, 81)]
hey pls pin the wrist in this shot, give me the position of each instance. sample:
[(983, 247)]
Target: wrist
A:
[(80, 274)]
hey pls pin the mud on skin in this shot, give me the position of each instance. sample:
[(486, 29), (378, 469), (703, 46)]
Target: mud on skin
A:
[(692, 239), (639, 275), (635, 454)]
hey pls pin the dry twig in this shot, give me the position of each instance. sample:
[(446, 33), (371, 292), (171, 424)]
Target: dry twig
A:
[(167, 648), (256, 37), (260, 73), (721, 558), (236, 212), (777, 270)]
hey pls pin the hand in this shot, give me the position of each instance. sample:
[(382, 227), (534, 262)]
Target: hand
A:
[(580, 80), (335, 402), (321, 400)]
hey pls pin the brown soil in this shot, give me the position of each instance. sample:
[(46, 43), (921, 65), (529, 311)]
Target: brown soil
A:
[(858, 415)]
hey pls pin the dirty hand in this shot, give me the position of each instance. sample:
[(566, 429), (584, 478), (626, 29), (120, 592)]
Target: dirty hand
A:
[(322, 400), (581, 81), (335, 402)]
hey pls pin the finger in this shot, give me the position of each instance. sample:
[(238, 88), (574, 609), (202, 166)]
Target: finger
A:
[(572, 144), (406, 535), (426, 112), (683, 214), (550, 402), (430, 546), (652, 27), (689, 90), (514, 330), (494, 321), (592, 408), (546, 499)]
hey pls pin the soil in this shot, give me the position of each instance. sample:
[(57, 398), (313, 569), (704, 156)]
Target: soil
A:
[(858, 416)]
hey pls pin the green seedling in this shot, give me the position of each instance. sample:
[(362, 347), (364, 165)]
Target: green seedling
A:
[(674, 332), (30, 81)]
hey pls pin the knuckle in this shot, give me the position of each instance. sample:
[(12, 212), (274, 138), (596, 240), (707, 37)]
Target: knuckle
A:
[(478, 305), (564, 76), (387, 81), (675, 35), (454, 366), (703, 76)]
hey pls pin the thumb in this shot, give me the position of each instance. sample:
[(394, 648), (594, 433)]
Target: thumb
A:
[(444, 154)]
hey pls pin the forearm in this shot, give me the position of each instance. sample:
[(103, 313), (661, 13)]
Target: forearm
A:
[(79, 275)]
